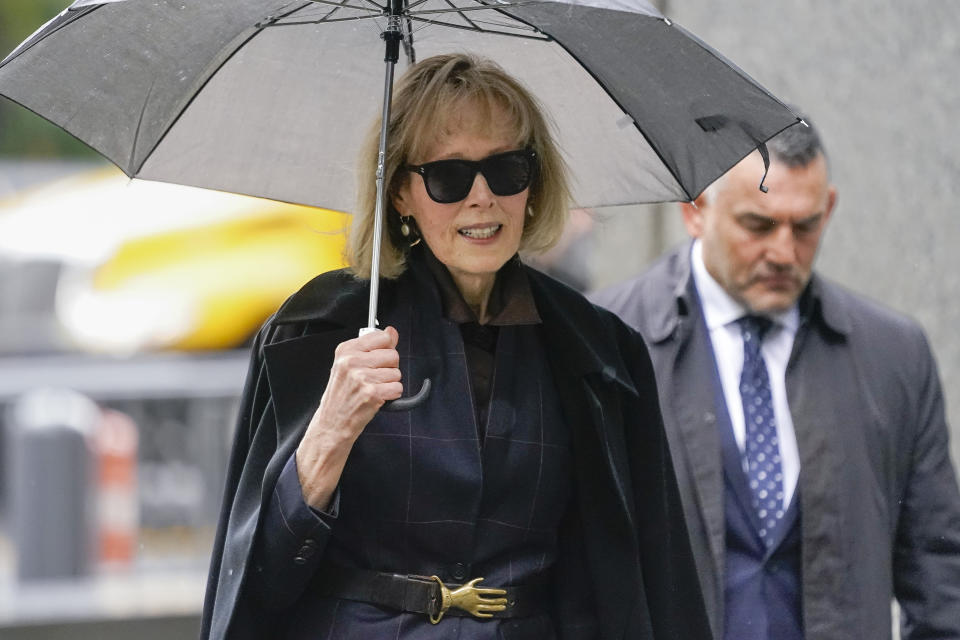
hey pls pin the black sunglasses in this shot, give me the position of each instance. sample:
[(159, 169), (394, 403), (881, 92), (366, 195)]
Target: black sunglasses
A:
[(506, 174)]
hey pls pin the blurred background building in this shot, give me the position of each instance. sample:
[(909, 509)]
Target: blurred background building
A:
[(140, 298)]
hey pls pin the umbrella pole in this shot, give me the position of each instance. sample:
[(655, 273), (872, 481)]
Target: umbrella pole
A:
[(392, 36), (381, 196)]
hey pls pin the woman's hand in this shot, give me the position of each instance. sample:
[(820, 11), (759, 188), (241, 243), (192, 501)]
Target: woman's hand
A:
[(365, 374)]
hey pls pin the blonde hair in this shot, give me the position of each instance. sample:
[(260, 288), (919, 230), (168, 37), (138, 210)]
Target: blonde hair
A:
[(427, 95)]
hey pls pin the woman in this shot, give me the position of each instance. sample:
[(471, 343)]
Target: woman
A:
[(537, 464)]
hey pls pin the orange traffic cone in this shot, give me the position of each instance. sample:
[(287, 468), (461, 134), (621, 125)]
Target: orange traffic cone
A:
[(118, 512)]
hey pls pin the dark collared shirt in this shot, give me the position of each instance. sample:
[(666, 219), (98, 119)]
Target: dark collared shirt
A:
[(511, 303)]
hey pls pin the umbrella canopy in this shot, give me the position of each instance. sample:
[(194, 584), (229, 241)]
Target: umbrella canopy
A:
[(272, 97)]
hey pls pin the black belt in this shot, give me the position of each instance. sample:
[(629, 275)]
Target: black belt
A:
[(429, 595)]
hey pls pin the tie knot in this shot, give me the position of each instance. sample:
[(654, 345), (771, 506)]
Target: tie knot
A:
[(754, 327)]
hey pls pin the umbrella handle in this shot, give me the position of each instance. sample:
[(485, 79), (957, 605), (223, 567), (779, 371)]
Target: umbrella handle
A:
[(405, 404)]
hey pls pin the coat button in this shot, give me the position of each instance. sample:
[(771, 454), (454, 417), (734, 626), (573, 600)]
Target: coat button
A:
[(459, 571), (306, 551)]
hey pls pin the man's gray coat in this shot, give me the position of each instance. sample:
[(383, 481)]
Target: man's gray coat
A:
[(880, 510)]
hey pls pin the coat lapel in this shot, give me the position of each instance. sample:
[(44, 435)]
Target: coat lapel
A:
[(684, 359), (298, 370), (299, 364), (698, 423)]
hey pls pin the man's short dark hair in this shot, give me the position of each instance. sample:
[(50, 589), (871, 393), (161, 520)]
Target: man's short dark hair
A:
[(798, 145)]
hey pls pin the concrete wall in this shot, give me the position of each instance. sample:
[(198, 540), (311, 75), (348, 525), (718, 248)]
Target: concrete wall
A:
[(880, 79)]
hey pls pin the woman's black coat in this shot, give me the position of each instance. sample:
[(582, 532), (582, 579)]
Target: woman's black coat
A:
[(640, 565)]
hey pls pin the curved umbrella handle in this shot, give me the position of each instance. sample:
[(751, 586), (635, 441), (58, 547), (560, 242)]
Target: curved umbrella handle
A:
[(405, 404)]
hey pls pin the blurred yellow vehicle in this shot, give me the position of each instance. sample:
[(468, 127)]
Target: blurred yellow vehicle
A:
[(201, 288), (188, 269)]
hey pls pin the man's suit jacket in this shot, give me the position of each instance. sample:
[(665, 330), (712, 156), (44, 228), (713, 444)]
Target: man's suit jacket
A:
[(880, 510)]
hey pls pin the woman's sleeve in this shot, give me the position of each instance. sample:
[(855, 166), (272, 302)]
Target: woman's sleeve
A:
[(291, 540)]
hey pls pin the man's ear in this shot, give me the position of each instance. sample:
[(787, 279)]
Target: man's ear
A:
[(693, 215), (831, 200)]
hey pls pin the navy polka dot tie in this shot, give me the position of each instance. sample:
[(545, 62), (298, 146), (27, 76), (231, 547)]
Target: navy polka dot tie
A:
[(762, 450)]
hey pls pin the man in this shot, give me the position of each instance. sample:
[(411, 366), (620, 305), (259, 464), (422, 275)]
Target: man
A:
[(806, 423)]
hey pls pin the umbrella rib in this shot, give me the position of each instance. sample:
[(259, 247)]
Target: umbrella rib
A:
[(483, 7), (478, 24), (377, 11), (374, 11), (345, 4), (474, 25), (479, 5), (603, 86), (271, 20), (324, 20), (208, 74), (465, 18), (136, 133), (407, 41), (535, 35), (76, 15)]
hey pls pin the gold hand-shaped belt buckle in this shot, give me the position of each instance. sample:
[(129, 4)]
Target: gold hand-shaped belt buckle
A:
[(467, 597)]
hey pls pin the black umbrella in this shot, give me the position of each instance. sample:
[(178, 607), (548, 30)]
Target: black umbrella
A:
[(271, 97)]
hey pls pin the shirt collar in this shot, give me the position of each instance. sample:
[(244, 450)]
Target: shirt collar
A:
[(719, 307), (511, 301)]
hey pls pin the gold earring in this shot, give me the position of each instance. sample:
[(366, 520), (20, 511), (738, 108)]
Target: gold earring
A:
[(409, 230)]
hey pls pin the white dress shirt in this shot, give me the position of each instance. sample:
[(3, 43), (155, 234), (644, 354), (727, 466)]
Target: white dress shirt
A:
[(721, 313)]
